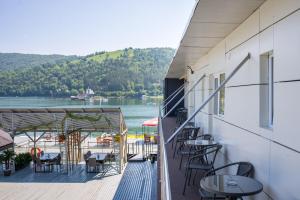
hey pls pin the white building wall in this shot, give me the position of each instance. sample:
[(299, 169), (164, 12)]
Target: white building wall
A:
[(274, 153)]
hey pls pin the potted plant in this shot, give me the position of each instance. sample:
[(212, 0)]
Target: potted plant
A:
[(22, 160), (6, 157), (61, 138)]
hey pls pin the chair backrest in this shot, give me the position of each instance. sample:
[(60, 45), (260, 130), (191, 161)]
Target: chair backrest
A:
[(88, 153), (58, 159), (92, 162), (210, 153), (244, 169), (85, 156), (195, 132), (38, 161)]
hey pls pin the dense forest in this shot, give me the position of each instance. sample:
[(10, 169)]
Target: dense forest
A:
[(11, 61), (127, 72)]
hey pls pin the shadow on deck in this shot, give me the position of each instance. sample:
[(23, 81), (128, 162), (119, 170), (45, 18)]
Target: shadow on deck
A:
[(138, 182), (177, 176), (78, 175)]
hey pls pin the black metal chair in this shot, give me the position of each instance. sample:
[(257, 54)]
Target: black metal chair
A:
[(56, 162), (203, 161), (186, 134), (187, 151), (243, 169)]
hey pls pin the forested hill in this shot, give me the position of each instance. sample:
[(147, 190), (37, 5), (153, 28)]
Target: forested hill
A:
[(127, 72), (11, 61)]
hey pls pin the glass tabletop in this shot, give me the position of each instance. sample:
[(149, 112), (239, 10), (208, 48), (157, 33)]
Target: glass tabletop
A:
[(231, 185), (200, 142)]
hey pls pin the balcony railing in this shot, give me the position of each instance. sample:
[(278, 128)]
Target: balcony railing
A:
[(164, 171)]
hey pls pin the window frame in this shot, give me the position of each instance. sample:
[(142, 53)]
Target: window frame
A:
[(217, 98)]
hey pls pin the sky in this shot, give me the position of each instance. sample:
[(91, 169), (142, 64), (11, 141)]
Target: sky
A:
[(81, 27)]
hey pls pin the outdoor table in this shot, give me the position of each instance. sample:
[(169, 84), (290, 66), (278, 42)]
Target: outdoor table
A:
[(200, 142), (46, 157), (100, 158), (231, 186)]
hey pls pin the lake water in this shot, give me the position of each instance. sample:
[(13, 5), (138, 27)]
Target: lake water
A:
[(135, 111)]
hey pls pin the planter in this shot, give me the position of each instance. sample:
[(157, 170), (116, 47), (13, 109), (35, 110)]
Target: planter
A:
[(61, 138), (7, 172)]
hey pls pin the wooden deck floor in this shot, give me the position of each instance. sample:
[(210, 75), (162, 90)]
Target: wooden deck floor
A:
[(138, 182), (177, 176)]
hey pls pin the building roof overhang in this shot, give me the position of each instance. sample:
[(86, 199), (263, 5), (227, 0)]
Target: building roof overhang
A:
[(20, 120), (211, 21)]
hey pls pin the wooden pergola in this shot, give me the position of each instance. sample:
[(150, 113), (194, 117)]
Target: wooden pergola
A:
[(71, 124)]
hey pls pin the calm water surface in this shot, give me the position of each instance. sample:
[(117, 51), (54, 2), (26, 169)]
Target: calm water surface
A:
[(135, 111)]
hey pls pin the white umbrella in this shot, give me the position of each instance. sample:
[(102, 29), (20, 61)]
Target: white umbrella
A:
[(5, 139)]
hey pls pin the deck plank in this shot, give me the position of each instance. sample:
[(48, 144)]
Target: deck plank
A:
[(138, 182)]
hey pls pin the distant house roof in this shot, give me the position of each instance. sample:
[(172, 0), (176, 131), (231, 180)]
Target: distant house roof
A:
[(18, 120), (210, 23)]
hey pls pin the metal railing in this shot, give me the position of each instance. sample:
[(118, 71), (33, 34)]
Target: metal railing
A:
[(209, 98), (164, 170), (181, 99)]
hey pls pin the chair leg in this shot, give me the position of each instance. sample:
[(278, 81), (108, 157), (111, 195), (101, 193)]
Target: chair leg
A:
[(195, 177), (186, 180), (175, 150), (190, 175), (180, 161)]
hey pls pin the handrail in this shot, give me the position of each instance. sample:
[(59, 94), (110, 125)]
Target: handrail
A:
[(164, 101), (165, 179), (178, 102), (210, 97), (177, 92)]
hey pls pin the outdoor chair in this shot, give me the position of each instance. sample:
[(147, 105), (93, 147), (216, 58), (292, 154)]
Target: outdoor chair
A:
[(92, 163), (187, 151), (203, 161), (242, 169), (86, 159), (38, 164), (57, 163), (181, 115), (186, 134)]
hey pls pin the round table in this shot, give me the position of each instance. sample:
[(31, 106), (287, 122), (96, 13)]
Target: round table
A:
[(231, 185), (200, 142)]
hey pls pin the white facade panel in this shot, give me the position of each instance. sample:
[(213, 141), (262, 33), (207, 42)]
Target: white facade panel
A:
[(249, 73), (286, 116), (273, 151), (274, 10), (246, 30), (287, 48), (266, 40), (284, 173)]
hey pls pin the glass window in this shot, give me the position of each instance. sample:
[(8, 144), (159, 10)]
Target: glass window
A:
[(216, 103), (267, 90), (222, 95)]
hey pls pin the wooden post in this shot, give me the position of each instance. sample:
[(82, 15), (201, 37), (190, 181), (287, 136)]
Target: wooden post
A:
[(34, 147)]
